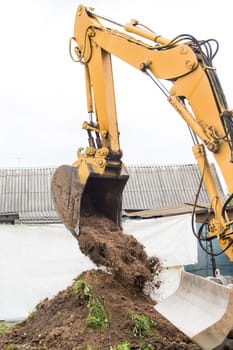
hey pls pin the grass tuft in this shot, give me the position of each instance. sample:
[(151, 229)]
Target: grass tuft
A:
[(142, 325), (81, 288), (96, 317)]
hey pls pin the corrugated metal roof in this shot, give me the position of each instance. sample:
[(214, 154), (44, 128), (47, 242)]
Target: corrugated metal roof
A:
[(152, 187), (26, 191)]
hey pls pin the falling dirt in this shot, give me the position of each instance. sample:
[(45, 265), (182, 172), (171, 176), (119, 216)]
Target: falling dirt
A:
[(61, 323), (120, 253)]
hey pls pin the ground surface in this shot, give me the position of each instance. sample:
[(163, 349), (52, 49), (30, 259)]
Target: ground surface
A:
[(61, 323)]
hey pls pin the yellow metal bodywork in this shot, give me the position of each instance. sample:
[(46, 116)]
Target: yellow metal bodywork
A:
[(218, 226), (94, 44)]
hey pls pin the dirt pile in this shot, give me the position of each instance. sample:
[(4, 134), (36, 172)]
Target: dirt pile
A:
[(61, 323)]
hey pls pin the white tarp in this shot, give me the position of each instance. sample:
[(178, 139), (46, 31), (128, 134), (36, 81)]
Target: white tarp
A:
[(171, 239), (37, 261)]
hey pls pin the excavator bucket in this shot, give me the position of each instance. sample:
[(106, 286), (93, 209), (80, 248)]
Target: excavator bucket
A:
[(79, 190), (200, 308)]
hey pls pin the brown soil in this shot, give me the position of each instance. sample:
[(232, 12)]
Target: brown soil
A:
[(121, 253), (61, 323)]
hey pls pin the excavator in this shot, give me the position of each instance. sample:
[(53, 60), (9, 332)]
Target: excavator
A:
[(200, 308)]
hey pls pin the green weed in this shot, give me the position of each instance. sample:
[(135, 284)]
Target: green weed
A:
[(147, 346), (10, 347), (96, 317), (81, 288), (59, 313), (5, 326), (142, 325), (122, 346)]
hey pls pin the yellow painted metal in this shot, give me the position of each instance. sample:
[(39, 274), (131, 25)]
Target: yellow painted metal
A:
[(177, 63), (131, 28), (209, 141), (201, 97), (104, 96), (90, 107), (134, 52), (90, 34), (218, 225)]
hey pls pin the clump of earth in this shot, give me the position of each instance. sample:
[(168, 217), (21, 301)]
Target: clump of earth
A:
[(60, 323), (106, 245)]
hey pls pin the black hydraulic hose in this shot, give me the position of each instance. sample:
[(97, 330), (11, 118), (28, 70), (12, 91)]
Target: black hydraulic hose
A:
[(211, 253), (198, 235)]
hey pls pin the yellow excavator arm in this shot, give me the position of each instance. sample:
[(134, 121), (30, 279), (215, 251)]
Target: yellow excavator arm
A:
[(98, 176)]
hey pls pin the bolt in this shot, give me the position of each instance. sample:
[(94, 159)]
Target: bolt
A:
[(183, 50), (90, 32), (79, 11), (190, 64)]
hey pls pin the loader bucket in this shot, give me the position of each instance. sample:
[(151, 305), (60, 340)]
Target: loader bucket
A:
[(201, 309), (76, 191)]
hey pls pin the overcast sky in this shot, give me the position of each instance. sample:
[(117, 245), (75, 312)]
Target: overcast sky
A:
[(43, 102)]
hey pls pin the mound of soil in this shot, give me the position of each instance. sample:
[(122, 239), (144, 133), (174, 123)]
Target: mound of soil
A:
[(60, 323)]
